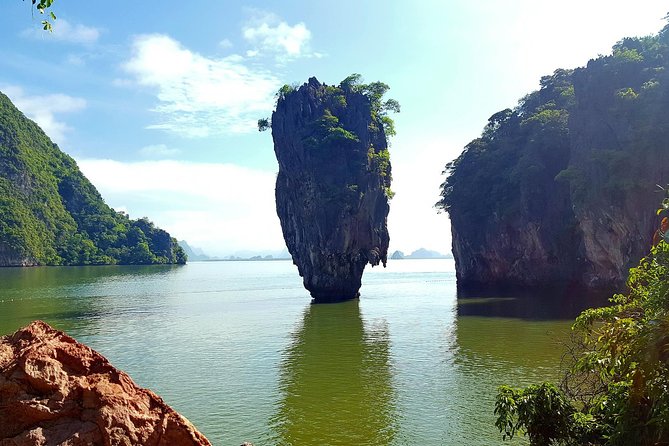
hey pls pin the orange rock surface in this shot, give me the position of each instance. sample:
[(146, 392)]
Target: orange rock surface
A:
[(56, 391)]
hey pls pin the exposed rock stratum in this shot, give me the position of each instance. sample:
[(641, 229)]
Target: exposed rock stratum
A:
[(333, 185), (54, 390)]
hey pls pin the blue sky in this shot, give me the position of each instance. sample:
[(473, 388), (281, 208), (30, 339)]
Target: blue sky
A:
[(157, 101)]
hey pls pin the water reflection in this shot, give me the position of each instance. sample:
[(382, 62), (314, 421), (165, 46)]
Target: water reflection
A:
[(493, 351), (335, 381), (544, 306), (22, 279), (69, 298)]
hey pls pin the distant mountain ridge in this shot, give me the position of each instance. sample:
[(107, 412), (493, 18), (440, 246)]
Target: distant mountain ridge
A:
[(50, 214), (193, 253), (420, 253), (197, 254)]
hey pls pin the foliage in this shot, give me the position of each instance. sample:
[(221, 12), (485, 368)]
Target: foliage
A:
[(379, 162), (52, 215), (374, 92), (42, 6), (264, 124), (327, 131), (616, 391), (335, 134), (285, 90), (502, 171), (527, 408)]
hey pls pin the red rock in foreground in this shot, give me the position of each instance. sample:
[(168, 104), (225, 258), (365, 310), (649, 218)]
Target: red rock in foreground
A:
[(54, 390)]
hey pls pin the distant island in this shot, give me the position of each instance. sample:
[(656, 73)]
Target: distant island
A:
[(420, 253), (560, 191), (50, 214), (198, 255), (193, 254)]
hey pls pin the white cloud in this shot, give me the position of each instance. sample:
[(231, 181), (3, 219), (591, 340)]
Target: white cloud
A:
[(64, 31), (225, 43), (200, 96), (122, 83), (158, 151), (75, 60), (222, 208), (43, 109), (272, 35)]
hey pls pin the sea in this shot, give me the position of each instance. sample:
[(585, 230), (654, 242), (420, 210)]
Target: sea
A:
[(238, 348)]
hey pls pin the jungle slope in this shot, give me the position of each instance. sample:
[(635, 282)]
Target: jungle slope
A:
[(50, 214)]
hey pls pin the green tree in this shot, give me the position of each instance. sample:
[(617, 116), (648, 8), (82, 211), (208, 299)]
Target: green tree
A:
[(42, 6), (264, 124)]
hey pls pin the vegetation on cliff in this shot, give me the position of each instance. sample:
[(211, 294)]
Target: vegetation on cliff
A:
[(563, 176), (327, 132), (615, 390), (519, 147), (50, 214)]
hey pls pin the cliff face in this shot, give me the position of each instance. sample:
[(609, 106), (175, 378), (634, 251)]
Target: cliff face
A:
[(333, 185), (54, 390), (50, 214), (561, 190)]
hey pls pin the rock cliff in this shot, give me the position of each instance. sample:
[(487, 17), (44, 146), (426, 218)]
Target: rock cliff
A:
[(561, 191), (333, 185), (54, 390)]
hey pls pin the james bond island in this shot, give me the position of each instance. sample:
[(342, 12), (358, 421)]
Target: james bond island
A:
[(333, 186)]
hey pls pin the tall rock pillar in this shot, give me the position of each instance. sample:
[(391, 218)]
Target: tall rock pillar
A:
[(333, 185)]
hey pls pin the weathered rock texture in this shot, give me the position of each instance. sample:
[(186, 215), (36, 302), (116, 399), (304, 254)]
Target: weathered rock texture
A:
[(561, 191), (54, 390), (332, 187)]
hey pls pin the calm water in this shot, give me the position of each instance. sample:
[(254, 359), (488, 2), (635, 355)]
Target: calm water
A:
[(238, 349)]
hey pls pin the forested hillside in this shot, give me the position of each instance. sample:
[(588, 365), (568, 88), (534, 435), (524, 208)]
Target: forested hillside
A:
[(560, 190), (50, 214)]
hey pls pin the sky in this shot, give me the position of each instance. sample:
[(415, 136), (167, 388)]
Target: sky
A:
[(158, 101)]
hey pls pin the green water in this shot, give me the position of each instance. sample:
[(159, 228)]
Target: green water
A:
[(238, 349)]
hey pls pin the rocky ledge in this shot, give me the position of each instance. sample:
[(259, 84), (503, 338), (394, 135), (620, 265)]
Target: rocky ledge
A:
[(54, 390)]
